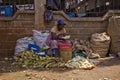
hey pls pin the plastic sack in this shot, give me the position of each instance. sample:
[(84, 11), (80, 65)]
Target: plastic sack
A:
[(40, 37), (22, 44)]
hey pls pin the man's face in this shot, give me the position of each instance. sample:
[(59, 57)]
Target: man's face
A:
[(60, 27)]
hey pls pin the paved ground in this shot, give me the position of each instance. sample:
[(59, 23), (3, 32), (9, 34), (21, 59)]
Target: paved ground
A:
[(108, 70)]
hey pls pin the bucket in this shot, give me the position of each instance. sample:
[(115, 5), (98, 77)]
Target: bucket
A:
[(65, 51)]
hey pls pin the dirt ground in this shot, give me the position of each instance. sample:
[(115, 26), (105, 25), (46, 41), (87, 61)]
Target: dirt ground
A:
[(109, 69)]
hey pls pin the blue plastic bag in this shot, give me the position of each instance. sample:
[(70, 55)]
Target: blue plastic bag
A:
[(34, 48)]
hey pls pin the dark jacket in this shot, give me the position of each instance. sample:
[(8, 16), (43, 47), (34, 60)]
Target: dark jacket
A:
[(53, 4)]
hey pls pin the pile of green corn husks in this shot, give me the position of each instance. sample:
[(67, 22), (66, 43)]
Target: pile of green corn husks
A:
[(28, 59)]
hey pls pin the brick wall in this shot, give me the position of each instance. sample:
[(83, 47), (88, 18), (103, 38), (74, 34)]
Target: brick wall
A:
[(14, 28)]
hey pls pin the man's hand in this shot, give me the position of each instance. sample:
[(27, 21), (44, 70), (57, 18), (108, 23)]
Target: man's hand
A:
[(54, 36)]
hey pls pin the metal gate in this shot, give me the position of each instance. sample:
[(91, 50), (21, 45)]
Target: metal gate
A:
[(9, 7), (89, 8)]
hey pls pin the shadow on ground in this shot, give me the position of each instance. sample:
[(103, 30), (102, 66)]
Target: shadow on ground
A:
[(109, 62)]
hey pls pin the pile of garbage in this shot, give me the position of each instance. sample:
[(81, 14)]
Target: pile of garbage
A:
[(40, 37), (31, 52), (80, 63), (35, 42), (27, 59), (22, 44), (84, 46), (97, 47)]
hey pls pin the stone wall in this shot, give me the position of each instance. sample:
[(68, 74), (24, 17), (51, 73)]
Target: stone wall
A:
[(11, 29)]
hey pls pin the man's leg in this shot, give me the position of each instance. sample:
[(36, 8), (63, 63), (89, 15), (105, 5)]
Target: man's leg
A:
[(54, 46)]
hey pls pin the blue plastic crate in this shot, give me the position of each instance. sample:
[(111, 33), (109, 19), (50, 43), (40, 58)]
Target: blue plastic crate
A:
[(2, 10), (8, 11), (5, 11)]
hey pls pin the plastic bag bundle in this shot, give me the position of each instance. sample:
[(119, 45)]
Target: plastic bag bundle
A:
[(40, 37), (22, 44)]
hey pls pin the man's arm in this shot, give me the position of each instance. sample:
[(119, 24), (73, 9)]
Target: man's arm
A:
[(54, 36)]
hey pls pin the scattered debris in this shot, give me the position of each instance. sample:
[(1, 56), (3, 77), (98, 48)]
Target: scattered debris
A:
[(106, 79), (112, 55), (84, 47), (80, 63), (6, 58), (97, 47)]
